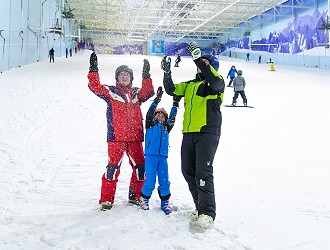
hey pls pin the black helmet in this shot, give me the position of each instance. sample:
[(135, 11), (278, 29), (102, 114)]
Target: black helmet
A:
[(123, 68)]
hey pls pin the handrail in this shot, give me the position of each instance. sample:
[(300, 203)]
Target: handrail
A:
[(42, 14), (35, 34), (49, 29), (20, 58), (47, 40), (58, 8), (3, 49)]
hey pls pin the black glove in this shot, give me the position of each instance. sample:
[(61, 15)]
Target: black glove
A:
[(166, 64), (159, 95), (176, 100), (93, 63), (194, 50), (146, 69)]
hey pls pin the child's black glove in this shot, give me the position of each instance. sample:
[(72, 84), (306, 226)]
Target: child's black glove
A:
[(159, 95), (93, 63), (176, 100)]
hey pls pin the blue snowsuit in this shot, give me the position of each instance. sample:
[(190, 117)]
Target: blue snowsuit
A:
[(156, 153), (231, 74)]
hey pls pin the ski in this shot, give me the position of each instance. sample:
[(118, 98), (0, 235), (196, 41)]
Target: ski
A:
[(239, 106)]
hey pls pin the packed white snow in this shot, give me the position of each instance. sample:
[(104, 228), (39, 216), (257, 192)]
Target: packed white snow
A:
[(271, 169)]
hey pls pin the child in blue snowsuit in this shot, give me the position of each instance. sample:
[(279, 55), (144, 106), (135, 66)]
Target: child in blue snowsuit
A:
[(232, 72), (158, 126)]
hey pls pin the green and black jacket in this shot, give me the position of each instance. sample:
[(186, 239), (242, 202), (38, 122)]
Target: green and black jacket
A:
[(202, 99)]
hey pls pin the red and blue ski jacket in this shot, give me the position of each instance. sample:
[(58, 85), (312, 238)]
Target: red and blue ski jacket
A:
[(124, 116)]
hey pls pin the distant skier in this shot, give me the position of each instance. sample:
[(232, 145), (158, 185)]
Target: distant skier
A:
[(259, 59), (239, 86), (178, 59), (51, 55), (248, 57), (232, 72), (158, 126)]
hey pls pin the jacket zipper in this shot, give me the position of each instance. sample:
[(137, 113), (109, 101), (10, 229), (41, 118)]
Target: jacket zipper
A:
[(190, 113), (161, 137)]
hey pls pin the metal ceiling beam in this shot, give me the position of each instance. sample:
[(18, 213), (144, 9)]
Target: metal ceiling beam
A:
[(174, 18)]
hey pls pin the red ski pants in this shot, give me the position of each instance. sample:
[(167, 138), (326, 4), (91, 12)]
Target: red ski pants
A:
[(135, 154)]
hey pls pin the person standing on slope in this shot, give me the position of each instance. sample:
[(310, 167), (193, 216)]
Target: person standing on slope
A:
[(51, 55), (125, 128), (158, 126), (201, 128), (232, 73), (177, 61), (239, 86)]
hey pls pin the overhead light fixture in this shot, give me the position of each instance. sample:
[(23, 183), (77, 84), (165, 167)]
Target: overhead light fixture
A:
[(223, 10), (136, 39)]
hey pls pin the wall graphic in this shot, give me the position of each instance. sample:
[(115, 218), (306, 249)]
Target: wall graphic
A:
[(300, 33), (303, 33)]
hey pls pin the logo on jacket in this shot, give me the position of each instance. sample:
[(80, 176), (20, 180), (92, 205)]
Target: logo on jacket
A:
[(201, 183)]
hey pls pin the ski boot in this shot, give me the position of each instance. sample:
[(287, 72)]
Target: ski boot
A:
[(205, 221), (106, 205), (132, 199), (193, 216), (165, 207), (144, 203)]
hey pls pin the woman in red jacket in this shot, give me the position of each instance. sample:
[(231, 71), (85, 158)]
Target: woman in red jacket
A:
[(125, 128)]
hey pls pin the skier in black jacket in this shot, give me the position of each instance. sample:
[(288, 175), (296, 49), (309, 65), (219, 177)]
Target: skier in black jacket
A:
[(201, 129), (51, 55)]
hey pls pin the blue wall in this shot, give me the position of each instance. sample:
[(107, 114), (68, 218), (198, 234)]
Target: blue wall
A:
[(25, 38)]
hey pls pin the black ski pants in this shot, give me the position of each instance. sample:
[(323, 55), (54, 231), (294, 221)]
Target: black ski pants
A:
[(242, 93), (197, 155), (230, 81)]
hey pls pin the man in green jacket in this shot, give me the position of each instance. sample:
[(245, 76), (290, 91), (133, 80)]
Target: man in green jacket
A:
[(201, 129)]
